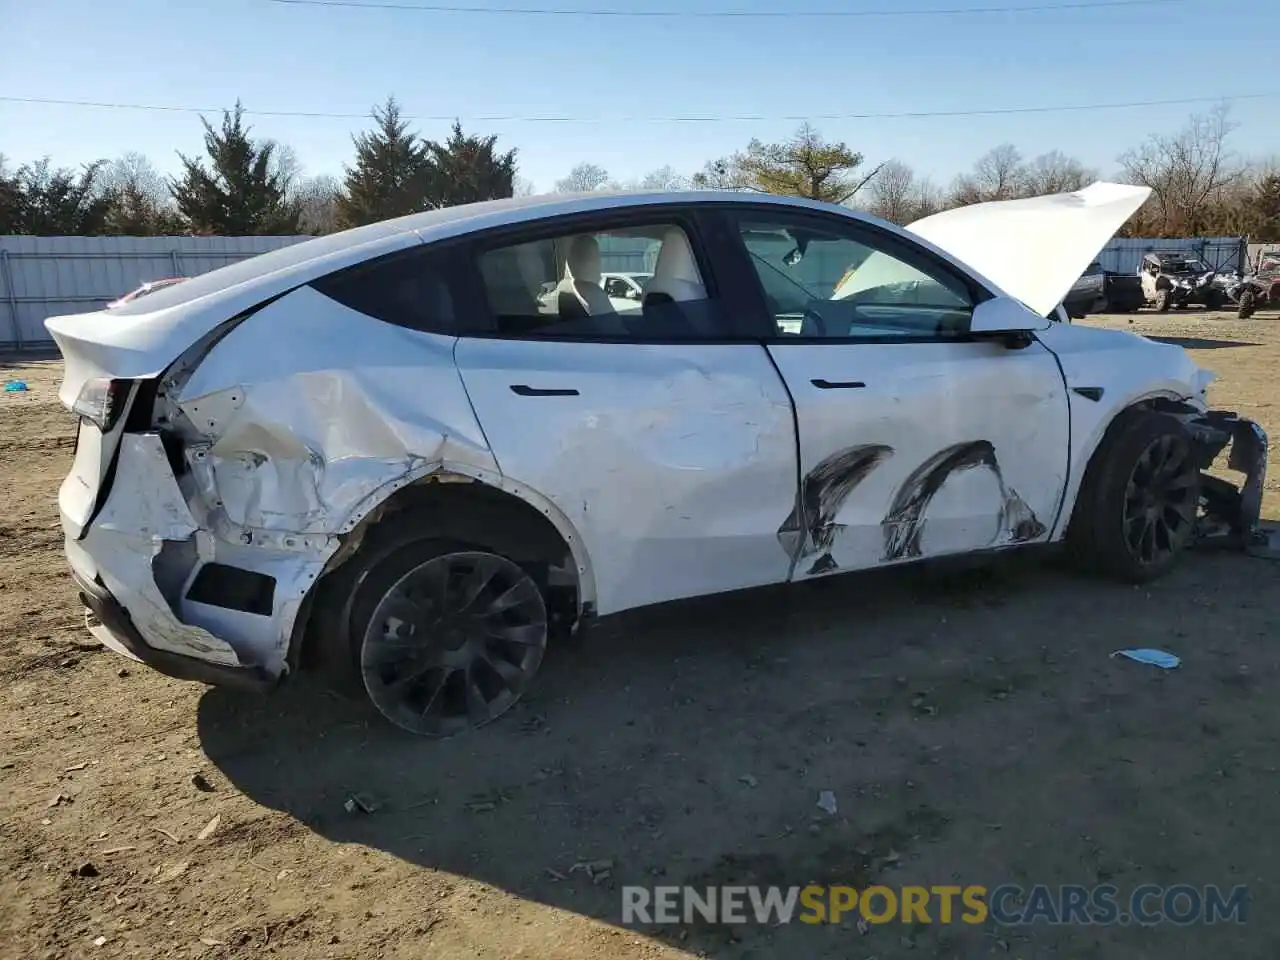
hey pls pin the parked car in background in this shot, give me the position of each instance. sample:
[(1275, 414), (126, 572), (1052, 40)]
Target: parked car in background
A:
[(147, 288), (625, 286), (1087, 294), (377, 454)]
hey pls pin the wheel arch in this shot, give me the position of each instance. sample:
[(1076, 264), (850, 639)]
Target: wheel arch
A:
[(1165, 399), (452, 501)]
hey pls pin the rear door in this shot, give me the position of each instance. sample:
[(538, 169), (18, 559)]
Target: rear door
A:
[(662, 436), (916, 440)]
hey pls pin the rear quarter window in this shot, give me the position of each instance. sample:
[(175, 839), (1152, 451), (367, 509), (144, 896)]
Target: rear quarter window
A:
[(411, 289)]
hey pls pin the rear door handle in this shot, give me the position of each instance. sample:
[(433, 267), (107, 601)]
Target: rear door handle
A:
[(524, 390), (838, 384)]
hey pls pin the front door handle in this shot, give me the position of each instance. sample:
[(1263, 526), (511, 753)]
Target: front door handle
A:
[(837, 384), (524, 390)]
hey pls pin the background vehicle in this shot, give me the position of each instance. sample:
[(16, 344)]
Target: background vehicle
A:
[(379, 455), (1171, 279), (1087, 295)]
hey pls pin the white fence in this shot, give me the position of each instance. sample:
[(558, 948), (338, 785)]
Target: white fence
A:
[(46, 276)]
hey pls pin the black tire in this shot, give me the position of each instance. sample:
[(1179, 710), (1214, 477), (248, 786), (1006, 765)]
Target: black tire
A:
[(1214, 299), (1133, 519), (447, 635), (1164, 298), (1248, 304)]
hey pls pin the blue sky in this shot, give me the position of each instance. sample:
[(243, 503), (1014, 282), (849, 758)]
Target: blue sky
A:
[(617, 72)]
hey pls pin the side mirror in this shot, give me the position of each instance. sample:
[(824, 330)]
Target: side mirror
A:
[(1006, 316)]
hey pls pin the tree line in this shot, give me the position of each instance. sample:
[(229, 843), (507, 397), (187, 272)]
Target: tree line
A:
[(243, 185)]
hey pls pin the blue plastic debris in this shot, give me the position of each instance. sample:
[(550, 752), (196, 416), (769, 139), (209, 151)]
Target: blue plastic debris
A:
[(1157, 658), (15, 386)]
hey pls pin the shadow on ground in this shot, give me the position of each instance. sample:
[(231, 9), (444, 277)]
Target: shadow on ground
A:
[(1200, 343), (972, 726)]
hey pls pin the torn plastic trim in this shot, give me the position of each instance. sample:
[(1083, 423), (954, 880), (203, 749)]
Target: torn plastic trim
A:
[(146, 510), (1232, 516)]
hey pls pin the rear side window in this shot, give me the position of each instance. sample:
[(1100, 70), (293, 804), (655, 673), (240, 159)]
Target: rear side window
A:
[(410, 288)]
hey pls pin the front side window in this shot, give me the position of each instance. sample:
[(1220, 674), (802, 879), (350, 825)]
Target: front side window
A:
[(822, 281), (556, 287)]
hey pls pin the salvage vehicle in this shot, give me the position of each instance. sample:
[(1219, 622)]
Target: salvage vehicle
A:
[(1257, 289), (372, 454), (1172, 279)]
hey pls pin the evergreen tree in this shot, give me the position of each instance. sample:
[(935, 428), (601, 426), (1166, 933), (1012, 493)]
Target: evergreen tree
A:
[(389, 178), (41, 201), (466, 169), (245, 193)]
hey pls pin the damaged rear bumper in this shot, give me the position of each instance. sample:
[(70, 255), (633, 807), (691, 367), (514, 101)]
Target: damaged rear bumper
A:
[(1231, 515), (137, 565), (114, 628)]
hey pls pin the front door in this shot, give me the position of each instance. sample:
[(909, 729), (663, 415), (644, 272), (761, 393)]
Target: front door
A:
[(915, 440), (668, 447)]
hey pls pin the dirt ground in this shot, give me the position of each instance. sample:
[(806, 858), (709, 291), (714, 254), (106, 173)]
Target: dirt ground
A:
[(973, 728)]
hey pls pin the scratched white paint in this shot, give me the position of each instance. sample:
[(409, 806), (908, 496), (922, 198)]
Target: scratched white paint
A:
[(919, 398), (675, 464), (669, 473)]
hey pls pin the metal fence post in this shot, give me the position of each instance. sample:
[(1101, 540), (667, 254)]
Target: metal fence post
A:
[(6, 269), (175, 258)]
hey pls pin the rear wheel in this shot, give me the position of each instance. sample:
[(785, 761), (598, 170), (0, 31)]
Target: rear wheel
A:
[(449, 636), (1136, 510), (1248, 304)]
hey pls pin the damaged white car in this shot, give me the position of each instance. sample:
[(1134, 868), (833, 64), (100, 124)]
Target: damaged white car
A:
[(378, 453)]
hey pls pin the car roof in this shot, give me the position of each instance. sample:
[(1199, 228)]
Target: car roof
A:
[(300, 262)]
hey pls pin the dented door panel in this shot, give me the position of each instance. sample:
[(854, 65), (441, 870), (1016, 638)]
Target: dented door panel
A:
[(673, 462), (912, 450)]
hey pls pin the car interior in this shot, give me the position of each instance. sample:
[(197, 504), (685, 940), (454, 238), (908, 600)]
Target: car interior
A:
[(553, 287), (821, 285)]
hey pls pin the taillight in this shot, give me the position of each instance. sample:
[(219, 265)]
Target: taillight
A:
[(102, 401)]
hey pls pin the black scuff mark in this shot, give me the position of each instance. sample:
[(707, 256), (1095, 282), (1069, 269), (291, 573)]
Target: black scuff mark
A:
[(811, 526), (903, 525)]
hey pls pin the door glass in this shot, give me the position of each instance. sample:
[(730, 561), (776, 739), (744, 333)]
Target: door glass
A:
[(554, 287), (820, 283)]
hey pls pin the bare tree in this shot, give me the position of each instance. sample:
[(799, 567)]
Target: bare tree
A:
[(1186, 171), (1055, 172), (664, 178), (318, 197), (892, 194), (523, 187), (583, 178), (997, 175)]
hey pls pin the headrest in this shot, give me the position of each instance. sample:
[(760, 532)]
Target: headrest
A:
[(675, 259), (583, 260)]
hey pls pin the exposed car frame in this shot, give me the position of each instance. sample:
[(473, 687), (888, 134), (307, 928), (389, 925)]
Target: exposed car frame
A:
[(278, 463)]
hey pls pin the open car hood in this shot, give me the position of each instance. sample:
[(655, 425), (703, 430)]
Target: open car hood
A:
[(1034, 249)]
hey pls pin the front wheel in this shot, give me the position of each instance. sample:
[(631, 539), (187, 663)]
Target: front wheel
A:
[(1164, 299), (1136, 510), (1248, 303), (449, 636)]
